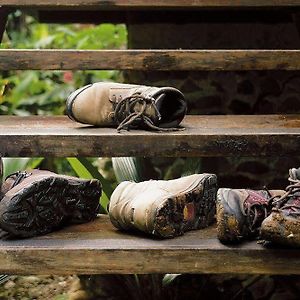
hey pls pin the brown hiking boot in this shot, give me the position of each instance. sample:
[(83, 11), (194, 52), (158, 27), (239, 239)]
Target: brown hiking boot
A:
[(283, 224), (39, 202), (127, 106), (165, 208), (240, 213)]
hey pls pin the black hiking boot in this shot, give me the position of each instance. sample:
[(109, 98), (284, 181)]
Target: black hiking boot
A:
[(39, 202)]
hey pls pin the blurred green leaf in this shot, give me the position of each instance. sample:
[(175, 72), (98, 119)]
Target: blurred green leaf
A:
[(133, 169), (128, 168), (169, 278), (192, 166)]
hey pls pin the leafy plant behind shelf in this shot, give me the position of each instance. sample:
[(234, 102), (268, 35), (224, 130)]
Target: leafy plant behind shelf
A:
[(44, 92)]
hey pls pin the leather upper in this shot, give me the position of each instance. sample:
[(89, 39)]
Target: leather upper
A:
[(133, 205), (95, 104)]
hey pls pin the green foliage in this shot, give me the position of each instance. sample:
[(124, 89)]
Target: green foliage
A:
[(26, 33), (43, 92), (128, 168)]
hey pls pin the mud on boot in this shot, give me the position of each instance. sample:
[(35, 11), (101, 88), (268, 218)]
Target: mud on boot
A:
[(165, 208), (283, 225), (240, 213)]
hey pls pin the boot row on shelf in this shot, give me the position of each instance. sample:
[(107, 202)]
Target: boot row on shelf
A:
[(37, 202)]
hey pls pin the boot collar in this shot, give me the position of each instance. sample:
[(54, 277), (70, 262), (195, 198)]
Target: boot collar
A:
[(143, 108)]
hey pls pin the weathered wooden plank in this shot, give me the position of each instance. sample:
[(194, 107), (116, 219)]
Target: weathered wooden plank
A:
[(106, 250), (262, 135), (165, 60), (138, 4)]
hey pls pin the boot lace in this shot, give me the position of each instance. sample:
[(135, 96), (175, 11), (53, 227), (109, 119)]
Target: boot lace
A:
[(127, 117), (19, 176), (255, 213), (278, 202)]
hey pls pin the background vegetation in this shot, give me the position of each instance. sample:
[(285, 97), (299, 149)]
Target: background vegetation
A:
[(44, 92), (25, 93)]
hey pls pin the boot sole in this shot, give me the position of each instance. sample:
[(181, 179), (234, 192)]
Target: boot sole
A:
[(188, 211), (281, 229), (48, 204)]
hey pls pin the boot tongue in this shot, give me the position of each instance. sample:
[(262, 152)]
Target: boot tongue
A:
[(295, 173)]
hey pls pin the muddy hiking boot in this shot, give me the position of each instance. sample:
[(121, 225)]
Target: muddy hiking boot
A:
[(164, 208), (240, 213), (39, 202), (127, 106), (283, 224)]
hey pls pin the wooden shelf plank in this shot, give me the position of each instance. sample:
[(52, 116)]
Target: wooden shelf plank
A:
[(159, 60), (107, 250), (141, 4), (261, 135)]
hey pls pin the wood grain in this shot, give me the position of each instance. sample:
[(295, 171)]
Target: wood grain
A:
[(98, 248), (137, 4), (164, 60), (270, 135)]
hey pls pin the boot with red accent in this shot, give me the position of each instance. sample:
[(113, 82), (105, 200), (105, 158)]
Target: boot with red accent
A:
[(283, 224), (240, 213)]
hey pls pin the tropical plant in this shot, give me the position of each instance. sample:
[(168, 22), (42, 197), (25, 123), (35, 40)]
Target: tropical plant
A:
[(44, 92)]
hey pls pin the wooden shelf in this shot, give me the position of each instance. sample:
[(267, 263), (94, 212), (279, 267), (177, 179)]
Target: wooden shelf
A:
[(230, 135), (146, 60), (97, 247), (141, 4)]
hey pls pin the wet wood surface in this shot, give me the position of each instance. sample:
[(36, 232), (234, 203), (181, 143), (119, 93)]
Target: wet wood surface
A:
[(137, 4), (98, 248), (164, 60), (228, 135)]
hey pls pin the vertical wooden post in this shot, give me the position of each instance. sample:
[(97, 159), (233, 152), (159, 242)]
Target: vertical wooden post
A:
[(3, 19)]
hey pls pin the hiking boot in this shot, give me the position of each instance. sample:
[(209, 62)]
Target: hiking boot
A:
[(164, 208), (240, 213), (283, 224), (1, 176), (127, 106), (39, 202)]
